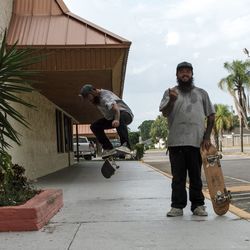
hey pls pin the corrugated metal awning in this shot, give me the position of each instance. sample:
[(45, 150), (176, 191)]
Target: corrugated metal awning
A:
[(85, 130), (78, 52)]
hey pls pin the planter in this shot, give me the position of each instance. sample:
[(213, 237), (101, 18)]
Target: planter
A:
[(33, 214)]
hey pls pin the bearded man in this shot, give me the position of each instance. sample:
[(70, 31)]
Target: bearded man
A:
[(116, 114), (186, 108)]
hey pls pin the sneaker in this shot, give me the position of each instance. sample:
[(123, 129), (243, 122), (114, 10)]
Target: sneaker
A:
[(124, 149), (108, 152), (200, 211), (174, 212)]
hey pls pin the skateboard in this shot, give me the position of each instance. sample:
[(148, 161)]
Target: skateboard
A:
[(220, 196), (109, 166)]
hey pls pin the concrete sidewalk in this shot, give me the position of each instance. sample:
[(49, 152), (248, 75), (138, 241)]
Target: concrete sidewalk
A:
[(125, 212)]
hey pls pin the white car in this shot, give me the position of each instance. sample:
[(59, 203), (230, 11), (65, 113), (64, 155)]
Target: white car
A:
[(86, 148)]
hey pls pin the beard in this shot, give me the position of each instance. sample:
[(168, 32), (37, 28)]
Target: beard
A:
[(185, 86)]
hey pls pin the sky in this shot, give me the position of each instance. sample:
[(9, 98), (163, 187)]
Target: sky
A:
[(206, 33)]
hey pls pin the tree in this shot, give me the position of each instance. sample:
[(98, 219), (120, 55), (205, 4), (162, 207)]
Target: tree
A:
[(223, 122), (145, 128), (237, 83), (159, 129), (133, 138)]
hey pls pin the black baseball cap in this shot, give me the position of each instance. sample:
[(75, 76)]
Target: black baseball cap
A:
[(184, 65), (86, 89)]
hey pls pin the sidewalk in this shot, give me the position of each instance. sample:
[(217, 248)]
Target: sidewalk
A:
[(125, 212)]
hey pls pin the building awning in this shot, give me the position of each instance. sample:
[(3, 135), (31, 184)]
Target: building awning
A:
[(77, 52), (85, 130)]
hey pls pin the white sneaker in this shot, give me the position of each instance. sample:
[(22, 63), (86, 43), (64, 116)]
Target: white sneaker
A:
[(108, 152), (200, 211), (124, 149), (174, 212)]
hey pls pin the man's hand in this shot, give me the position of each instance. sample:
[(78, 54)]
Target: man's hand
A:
[(173, 95), (115, 123), (206, 143)]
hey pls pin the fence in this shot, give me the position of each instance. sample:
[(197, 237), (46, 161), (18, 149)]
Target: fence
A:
[(234, 140)]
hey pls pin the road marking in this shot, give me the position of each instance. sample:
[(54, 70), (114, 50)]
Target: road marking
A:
[(236, 179)]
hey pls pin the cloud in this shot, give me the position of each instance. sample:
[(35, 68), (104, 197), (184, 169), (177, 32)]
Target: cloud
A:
[(236, 28), (137, 70), (172, 38), (188, 7), (196, 55)]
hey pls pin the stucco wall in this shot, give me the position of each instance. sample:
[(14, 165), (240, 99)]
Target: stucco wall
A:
[(38, 152), (5, 13)]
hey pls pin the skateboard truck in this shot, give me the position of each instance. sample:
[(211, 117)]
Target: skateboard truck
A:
[(220, 197), (213, 159)]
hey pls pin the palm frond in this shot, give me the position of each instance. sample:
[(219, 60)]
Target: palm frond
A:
[(14, 77)]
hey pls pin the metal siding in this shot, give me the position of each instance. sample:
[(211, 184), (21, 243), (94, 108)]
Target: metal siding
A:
[(64, 28), (41, 32), (41, 7), (23, 7), (57, 30), (76, 33), (95, 37)]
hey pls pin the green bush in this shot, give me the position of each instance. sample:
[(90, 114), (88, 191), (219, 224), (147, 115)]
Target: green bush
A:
[(15, 189), (139, 151)]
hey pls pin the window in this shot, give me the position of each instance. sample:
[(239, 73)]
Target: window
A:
[(59, 131), (64, 132), (68, 133)]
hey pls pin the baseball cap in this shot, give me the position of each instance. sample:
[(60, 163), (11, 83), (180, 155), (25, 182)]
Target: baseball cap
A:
[(184, 65), (86, 89)]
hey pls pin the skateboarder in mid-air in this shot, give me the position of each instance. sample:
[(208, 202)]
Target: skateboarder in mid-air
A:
[(116, 114), (186, 108)]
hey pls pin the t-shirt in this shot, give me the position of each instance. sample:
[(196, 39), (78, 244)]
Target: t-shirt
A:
[(107, 99), (186, 121)]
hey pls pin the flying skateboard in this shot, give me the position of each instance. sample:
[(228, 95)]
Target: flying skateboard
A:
[(220, 196), (109, 166)]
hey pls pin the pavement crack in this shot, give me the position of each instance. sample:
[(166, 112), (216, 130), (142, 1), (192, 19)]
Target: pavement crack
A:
[(74, 235)]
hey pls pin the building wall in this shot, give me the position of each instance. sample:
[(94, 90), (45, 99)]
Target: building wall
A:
[(5, 13), (38, 151)]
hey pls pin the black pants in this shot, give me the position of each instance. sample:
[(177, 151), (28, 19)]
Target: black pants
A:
[(186, 159), (100, 125)]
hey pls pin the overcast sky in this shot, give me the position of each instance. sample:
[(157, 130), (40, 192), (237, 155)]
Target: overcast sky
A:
[(163, 33)]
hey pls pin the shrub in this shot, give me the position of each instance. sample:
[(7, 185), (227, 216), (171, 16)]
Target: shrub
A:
[(139, 151)]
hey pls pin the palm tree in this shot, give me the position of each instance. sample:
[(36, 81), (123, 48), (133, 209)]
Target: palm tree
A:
[(237, 83), (223, 122)]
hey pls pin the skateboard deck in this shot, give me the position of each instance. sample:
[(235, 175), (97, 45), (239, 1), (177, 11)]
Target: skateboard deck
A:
[(109, 166), (220, 196)]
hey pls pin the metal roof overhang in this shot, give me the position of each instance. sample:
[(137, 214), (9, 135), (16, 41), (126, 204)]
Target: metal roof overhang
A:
[(100, 59)]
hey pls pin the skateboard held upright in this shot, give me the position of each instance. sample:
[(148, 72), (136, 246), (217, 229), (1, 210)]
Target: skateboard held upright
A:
[(220, 196)]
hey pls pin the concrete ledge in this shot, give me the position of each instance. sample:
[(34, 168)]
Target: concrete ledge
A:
[(32, 215)]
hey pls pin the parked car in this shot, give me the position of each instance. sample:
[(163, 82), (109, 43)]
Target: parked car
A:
[(86, 148)]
